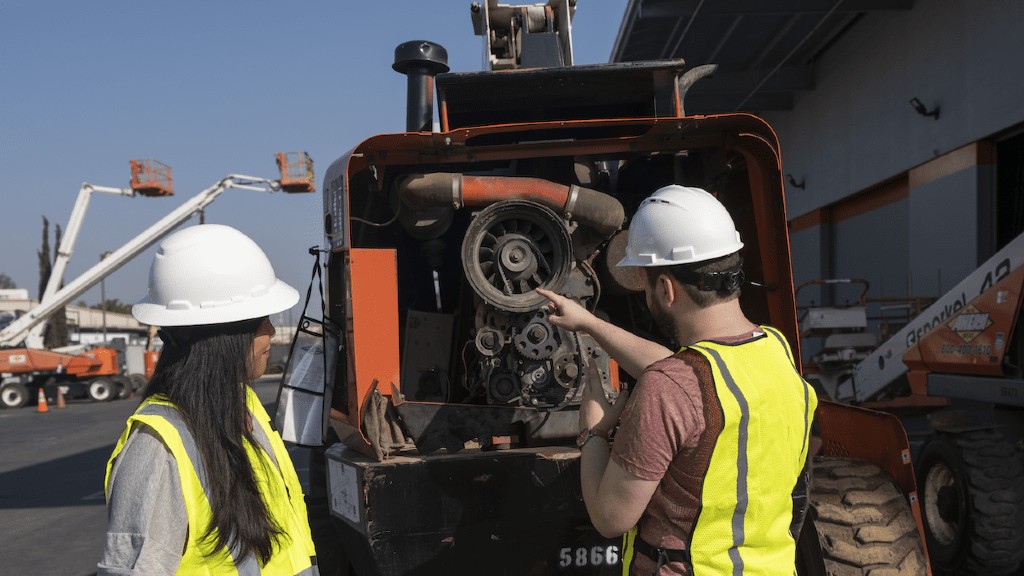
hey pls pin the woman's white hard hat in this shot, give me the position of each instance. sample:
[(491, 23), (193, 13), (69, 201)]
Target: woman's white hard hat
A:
[(211, 274), (680, 225)]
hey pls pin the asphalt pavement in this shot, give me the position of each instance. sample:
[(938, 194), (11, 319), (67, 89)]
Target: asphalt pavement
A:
[(52, 508)]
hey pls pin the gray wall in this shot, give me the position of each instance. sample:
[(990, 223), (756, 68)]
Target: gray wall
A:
[(857, 129), (950, 232), (873, 246)]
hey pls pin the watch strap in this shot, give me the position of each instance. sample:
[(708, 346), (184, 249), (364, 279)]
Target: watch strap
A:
[(587, 434)]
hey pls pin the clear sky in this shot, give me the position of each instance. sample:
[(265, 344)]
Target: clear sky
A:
[(210, 88)]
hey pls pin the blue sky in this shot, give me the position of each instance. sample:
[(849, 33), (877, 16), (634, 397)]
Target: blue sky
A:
[(210, 88)]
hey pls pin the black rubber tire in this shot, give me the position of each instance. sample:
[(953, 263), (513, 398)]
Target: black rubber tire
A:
[(122, 386), (102, 390), (139, 381), (864, 523), (13, 395), (972, 503)]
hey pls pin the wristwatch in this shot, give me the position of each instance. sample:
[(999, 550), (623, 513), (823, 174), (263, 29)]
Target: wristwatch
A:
[(586, 434)]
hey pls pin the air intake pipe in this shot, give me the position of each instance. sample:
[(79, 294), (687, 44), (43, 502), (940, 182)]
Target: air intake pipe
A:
[(420, 61), (596, 210)]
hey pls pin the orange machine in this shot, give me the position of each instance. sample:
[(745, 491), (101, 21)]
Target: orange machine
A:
[(20, 360), (952, 371), (455, 399), (96, 374)]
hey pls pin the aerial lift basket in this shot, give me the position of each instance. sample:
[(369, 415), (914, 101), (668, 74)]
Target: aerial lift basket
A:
[(151, 178), (296, 172)]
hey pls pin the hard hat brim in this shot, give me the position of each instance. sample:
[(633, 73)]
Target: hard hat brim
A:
[(278, 298), (634, 262)]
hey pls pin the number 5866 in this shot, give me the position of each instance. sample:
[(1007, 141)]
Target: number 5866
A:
[(593, 556)]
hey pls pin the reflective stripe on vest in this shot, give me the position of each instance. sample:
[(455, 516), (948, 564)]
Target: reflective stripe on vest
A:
[(746, 505), (279, 485)]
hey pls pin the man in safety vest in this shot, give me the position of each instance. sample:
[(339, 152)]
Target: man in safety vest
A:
[(713, 439)]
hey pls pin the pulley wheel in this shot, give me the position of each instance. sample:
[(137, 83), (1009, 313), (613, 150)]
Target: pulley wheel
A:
[(512, 248)]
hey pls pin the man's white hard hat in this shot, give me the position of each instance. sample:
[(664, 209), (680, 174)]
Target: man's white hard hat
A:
[(680, 225), (211, 274)]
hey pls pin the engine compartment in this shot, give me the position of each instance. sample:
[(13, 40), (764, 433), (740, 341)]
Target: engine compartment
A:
[(439, 240)]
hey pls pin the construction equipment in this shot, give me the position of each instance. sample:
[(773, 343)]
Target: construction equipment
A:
[(152, 178), (140, 185), (953, 372), (454, 398), (96, 374)]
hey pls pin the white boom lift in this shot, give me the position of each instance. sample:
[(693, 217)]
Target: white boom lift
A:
[(34, 337), (24, 329)]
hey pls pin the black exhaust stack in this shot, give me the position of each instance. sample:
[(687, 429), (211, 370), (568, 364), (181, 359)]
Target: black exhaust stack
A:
[(420, 61)]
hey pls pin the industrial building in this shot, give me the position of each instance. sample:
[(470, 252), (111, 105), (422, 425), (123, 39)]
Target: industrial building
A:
[(901, 125), (85, 325)]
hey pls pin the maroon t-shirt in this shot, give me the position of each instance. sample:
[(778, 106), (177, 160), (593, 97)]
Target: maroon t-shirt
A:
[(671, 407)]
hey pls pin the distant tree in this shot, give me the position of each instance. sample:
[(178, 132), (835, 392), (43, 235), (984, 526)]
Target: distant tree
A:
[(44, 258), (55, 334), (114, 305), (6, 283)]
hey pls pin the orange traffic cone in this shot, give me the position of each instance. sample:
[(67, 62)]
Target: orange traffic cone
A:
[(60, 397), (41, 405)]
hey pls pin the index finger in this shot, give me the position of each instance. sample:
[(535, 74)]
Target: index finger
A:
[(547, 294)]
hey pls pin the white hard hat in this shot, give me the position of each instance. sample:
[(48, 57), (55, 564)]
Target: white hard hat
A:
[(680, 225), (211, 274)]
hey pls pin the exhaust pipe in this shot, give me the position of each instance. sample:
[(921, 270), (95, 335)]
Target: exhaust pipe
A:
[(420, 61), (591, 208)]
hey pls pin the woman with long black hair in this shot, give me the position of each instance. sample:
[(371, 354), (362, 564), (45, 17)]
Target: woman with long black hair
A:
[(199, 482)]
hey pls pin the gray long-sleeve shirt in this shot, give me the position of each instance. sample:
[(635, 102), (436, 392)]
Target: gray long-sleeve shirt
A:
[(147, 523)]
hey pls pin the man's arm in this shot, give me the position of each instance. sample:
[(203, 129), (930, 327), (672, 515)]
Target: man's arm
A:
[(615, 498), (632, 352)]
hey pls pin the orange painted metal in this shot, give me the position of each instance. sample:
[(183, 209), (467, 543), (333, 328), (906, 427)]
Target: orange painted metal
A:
[(99, 361), (613, 375), (151, 178), (296, 172), (26, 360), (372, 331), (767, 260), (484, 190), (974, 339), (150, 358), (876, 437)]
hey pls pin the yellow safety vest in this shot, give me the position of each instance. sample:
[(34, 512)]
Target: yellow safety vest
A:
[(279, 485), (746, 504)]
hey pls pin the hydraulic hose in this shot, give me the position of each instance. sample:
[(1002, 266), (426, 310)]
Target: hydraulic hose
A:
[(591, 208)]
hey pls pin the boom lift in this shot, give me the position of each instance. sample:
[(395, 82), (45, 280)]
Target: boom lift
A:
[(149, 178), (20, 367), (454, 399), (954, 373)]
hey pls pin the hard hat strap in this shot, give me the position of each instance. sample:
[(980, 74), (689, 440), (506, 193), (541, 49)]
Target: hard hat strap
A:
[(727, 281)]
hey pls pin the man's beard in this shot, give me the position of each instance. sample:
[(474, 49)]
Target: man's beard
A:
[(664, 322)]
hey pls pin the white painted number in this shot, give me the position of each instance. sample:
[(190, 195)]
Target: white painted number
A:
[(564, 557), (595, 556)]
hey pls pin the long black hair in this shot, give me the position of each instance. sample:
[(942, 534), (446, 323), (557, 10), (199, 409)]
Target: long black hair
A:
[(204, 371)]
